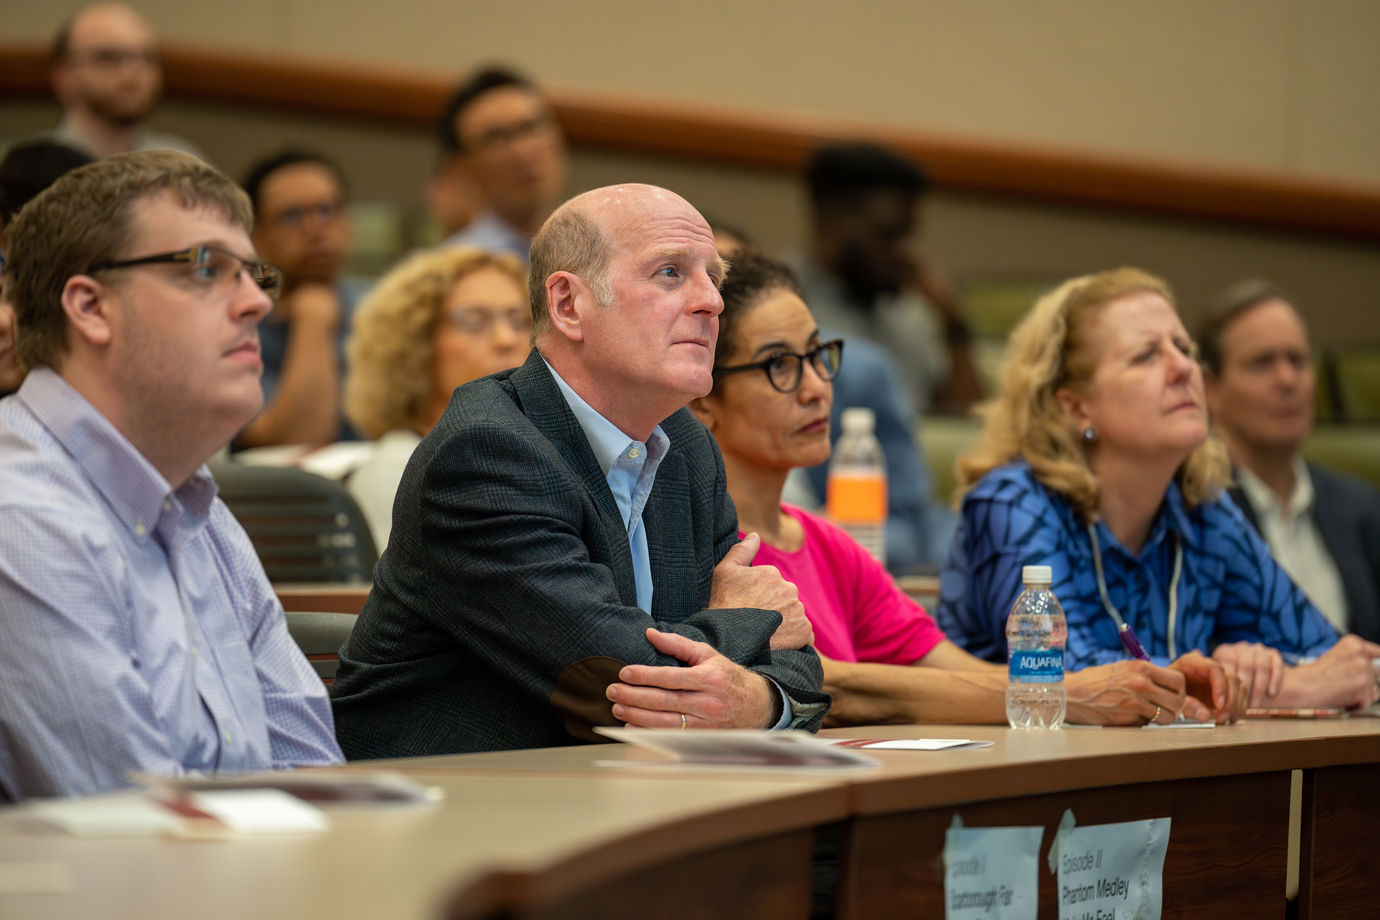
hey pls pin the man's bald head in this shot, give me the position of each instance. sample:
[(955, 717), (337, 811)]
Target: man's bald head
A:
[(98, 22), (578, 238)]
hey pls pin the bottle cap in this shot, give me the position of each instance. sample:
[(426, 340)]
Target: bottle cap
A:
[(1036, 574), (858, 419)]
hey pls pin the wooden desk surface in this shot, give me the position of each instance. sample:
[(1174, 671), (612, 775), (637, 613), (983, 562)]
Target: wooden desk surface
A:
[(323, 598), (1017, 763), (1023, 764), (572, 824), (401, 863)]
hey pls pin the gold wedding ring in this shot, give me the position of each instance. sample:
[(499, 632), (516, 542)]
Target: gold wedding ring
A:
[(1156, 715), (682, 721)]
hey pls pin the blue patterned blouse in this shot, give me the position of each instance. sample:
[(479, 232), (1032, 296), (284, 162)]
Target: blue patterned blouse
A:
[(1230, 590)]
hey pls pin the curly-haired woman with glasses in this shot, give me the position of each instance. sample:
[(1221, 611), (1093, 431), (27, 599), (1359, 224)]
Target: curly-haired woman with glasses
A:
[(442, 318)]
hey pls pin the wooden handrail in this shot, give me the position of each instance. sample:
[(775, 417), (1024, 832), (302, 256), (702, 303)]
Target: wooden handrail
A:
[(765, 140)]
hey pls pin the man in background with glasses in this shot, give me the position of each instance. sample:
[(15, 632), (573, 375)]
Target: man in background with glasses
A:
[(503, 153), (107, 76), (302, 225), (139, 631), (564, 553)]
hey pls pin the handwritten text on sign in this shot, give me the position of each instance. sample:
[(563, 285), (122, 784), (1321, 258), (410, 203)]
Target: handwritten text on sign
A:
[(1113, 871)]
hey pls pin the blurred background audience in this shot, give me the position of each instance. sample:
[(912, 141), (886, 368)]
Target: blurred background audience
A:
[(301, 225), (27, 169), (867, 278), (502, 157), (1321, 524), (106, 74)]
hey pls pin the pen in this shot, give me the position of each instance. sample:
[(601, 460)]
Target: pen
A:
[(1131, 642)]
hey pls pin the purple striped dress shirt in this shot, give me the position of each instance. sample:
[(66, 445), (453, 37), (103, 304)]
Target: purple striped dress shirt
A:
[(137, 628)]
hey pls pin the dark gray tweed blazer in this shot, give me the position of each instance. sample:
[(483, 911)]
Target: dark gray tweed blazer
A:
[(505, 602)]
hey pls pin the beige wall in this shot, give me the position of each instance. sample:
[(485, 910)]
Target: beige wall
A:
[(1279, 84), (1284, 85)]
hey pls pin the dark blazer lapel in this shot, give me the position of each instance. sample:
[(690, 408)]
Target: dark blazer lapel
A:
[(540, 399), (1336, 514)]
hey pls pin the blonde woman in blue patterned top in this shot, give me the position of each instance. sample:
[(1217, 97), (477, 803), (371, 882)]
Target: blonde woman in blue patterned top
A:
[(1096, 460)]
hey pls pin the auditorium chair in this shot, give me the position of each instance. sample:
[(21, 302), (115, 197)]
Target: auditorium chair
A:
[(304, 527), (319, 636)]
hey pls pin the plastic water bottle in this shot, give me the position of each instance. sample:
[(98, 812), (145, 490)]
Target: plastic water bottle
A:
[(857, 482), (1035, 637)]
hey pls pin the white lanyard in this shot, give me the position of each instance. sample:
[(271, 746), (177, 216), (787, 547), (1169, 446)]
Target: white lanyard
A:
[(1173, 589)]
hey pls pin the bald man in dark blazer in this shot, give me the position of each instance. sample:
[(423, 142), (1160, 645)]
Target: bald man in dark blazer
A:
[(564, 551)]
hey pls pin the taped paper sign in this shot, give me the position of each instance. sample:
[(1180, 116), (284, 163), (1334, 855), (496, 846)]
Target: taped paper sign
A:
[(990, 872), (1111, 871)]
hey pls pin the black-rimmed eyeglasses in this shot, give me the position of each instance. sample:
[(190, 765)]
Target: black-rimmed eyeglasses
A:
[(503, 135), (785, 369), (215, 267)]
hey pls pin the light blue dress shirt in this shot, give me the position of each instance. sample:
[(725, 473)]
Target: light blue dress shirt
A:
[(630, 469), (491, 232), (137, 628)]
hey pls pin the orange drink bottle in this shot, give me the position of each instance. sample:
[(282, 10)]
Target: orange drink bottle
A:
[(857, 483)]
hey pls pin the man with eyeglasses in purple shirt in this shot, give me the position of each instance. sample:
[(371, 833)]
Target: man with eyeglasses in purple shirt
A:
[(139, 632)]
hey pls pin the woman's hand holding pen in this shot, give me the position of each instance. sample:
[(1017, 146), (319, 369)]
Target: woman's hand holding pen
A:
[(1215, 693)]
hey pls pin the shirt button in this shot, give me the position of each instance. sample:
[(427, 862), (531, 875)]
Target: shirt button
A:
[(195, 652), (140, 530), (228, 739), (167, 505), (634, 453)]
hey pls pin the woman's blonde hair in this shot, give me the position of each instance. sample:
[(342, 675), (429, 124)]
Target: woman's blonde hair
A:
[(1049, 351), (392, 348)]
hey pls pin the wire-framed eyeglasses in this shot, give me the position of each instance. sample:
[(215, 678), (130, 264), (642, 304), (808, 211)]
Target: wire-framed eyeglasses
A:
[(785, 369), (211, 265), (478, 321)]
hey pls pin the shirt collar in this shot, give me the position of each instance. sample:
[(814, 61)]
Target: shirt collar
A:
[(1174, 516), (1264, 499), (490, 231), (606, 439), (137, 493)]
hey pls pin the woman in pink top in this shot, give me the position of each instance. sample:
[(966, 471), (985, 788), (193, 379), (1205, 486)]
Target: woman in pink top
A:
[(769, 411)]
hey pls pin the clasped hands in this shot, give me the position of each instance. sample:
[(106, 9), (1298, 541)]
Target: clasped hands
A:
[(1343, 677), (712, 691)]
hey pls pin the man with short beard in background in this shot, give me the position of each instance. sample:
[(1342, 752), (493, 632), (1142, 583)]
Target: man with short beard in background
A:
[(107, 76)]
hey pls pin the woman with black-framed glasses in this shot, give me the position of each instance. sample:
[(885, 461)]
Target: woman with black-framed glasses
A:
[(769, 412)]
